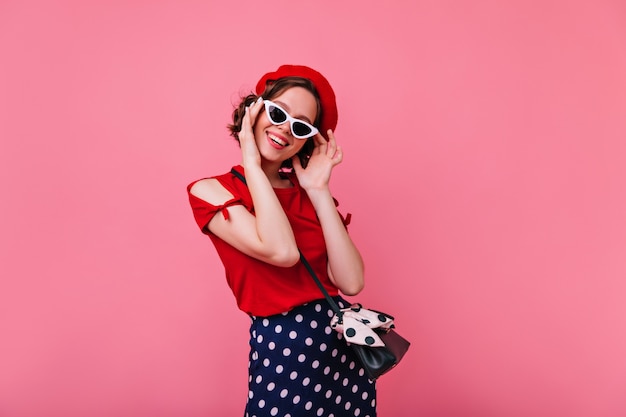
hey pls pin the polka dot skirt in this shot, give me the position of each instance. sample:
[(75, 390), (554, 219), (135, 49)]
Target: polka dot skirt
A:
[(299, 366)]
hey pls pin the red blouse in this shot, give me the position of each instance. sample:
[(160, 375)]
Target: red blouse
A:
[(262, 289)]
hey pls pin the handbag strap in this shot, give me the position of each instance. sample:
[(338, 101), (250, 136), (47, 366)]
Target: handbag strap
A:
[(307, 265)]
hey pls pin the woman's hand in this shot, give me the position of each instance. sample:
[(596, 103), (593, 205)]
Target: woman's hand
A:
[(249, 150), (325, 156)]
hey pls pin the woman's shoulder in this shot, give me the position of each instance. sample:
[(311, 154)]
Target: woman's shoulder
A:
[(215, 190), (210, 190)]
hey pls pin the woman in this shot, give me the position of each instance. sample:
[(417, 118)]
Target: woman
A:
[(298, 365)]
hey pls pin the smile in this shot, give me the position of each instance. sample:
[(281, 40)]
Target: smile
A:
[(276, 140)]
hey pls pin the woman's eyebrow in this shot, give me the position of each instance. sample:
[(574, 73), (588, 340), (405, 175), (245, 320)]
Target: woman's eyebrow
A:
[(286, 107)]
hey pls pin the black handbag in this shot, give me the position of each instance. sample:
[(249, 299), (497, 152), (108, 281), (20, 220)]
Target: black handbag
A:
[(379, 360), (376, 360)]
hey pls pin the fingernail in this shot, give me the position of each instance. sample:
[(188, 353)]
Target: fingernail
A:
[(260, 99)]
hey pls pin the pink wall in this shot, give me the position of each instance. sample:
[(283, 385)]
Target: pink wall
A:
[(485, 169)]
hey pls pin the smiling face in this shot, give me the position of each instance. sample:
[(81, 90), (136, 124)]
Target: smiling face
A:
[(276, 143)]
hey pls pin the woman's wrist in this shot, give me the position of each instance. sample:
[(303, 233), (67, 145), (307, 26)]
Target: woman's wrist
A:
[(252, 167), (318, 192), (320, 197)]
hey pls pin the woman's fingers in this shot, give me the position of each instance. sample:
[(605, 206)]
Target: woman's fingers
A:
[(335, 151), (246, 135), (319, 139), (332, 143), (326, 149), (338, 157), (251, 113), (245, 122), (255, 108), (249, 118)]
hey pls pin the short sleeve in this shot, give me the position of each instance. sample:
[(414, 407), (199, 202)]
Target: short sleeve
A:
[(204, 211)]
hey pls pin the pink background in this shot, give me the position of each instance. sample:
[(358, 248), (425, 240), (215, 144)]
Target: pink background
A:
[(485, 169)]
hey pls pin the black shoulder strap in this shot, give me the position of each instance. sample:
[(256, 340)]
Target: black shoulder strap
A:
[(306, 263), (238, 175), (330, 300)]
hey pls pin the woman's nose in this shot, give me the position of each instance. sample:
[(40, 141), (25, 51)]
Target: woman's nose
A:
[(285, 127)]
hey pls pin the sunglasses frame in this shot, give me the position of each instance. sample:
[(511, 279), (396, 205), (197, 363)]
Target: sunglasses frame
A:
[(291, 120)]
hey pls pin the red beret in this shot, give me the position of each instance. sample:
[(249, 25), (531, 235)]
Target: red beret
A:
[(325, 91)]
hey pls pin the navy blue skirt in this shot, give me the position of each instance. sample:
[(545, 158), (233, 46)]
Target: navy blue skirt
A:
[(299, 366)]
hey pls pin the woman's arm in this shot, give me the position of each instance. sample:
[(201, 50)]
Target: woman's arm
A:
[(266, 235), (345, 265)]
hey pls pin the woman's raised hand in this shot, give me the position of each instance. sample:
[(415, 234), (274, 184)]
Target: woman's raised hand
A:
[(325, 156), (249, 150)]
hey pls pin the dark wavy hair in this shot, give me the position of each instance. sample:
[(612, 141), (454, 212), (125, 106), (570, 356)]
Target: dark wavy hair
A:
[(272, 90)]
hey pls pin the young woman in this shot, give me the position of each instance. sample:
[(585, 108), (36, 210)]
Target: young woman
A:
[(298, 365)]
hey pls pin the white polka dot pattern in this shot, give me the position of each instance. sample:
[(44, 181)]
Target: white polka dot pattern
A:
[(300, 367)]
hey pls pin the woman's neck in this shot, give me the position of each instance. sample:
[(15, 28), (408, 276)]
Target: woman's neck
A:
[(271, 170)]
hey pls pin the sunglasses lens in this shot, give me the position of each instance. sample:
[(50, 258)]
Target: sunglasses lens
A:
[(300, 129), (277, 115)]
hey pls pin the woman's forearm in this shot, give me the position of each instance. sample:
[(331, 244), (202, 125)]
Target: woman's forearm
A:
[(276, 238), (344, 259)]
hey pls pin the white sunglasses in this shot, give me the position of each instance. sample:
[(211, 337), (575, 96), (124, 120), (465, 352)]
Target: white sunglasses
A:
[(299, 128)]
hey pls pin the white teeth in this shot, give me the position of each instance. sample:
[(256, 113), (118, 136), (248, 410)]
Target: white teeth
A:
[(277, 140)]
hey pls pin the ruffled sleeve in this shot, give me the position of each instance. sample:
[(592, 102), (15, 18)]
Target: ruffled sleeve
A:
[(204, 211)]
